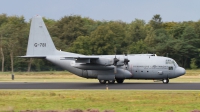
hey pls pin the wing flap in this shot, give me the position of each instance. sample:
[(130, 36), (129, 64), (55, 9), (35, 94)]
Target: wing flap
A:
[(91, 59), (80, 59)]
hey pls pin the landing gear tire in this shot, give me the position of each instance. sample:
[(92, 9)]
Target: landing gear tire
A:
[(165, 81), (102, 81), (111, 81), (120, 81)]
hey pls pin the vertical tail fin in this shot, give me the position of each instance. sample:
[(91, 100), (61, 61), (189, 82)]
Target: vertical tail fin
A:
[(40, 43)]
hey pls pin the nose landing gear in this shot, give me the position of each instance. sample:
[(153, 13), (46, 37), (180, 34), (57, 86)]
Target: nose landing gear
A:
[(165, 81)]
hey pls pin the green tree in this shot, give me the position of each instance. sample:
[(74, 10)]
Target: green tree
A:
[(168, 25), (138, 47), (159, 42), (3, 20), (193, 64), (186, 46), (156, 22), (82, 45), (149, 40), (118, 28), (69, 28), (14, 36), (177, 31), (108, 38), (102, 41), (136, 31)]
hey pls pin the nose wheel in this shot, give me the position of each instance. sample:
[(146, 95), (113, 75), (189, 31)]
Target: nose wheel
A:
[(165, 81)]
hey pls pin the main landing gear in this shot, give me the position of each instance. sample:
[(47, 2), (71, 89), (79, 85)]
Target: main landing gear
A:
[(119, 81), (102, 81), (165, 81)]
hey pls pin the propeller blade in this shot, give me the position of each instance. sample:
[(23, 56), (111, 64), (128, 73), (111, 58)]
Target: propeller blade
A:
[(115, 69), (126, 61), (115, 61)]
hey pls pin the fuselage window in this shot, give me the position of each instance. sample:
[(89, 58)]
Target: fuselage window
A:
[(170, 68)]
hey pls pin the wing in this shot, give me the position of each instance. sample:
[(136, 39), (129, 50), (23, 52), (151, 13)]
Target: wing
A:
[(91, 60), (81, 59)]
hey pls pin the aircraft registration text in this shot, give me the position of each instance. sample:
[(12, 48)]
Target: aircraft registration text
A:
[(40, 44)]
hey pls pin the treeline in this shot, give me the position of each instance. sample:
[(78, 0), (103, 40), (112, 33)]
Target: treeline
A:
[(178, 40)]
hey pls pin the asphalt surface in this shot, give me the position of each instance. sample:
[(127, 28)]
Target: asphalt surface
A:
[(74, 85)]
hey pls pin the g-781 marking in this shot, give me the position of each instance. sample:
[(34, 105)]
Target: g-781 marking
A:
[(40, 44)]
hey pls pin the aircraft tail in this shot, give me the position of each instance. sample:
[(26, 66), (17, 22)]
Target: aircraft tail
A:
[(40, 43)]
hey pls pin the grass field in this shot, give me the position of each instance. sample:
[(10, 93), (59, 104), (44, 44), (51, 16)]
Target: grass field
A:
[(117, 100)]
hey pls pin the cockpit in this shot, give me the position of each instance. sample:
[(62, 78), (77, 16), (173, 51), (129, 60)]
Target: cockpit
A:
[(172, 65), (171, 62)]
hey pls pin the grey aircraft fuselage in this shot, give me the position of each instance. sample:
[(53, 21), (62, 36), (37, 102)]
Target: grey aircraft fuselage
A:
[(105, 68), (139, 67)]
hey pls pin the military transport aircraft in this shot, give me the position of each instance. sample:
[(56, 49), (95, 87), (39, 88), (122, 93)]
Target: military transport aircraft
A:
[(105, 68)]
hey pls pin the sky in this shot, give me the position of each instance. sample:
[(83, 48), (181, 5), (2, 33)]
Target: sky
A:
[(124, 10)]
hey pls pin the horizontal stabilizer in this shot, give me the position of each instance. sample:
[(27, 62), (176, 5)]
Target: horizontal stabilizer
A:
[(31, 56)]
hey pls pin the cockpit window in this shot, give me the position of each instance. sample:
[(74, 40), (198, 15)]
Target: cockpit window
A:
[(176, 64), (172, 62), (169, 62)]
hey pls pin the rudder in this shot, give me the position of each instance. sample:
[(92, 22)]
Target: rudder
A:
[(40, 42)]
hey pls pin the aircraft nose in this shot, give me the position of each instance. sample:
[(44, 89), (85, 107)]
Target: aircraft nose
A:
[(180, 71)]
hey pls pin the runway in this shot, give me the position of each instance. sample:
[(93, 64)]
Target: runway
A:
[(75, 85)]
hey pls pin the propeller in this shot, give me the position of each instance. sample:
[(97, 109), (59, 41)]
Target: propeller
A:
[(115, 60), (126, 60)]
